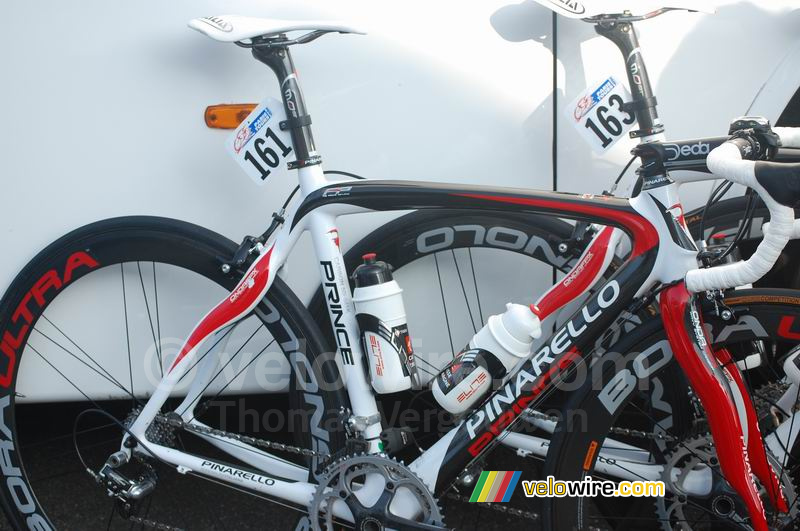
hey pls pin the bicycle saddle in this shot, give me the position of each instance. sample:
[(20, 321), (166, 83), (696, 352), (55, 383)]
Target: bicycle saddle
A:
[(233, 28), (592, 8)]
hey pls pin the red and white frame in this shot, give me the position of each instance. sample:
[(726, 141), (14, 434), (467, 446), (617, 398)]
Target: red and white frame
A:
[(655, 257)]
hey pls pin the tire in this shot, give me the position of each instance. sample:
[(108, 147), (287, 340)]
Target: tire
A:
[(658, 399), (78, 265)]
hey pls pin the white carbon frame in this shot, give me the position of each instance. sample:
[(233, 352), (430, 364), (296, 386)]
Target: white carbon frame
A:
[(287, 481)]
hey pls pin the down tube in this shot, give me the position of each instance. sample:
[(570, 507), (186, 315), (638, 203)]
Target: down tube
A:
[(441, 464)]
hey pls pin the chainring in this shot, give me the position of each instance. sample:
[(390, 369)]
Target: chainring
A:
[(681, 510), (343, 478)]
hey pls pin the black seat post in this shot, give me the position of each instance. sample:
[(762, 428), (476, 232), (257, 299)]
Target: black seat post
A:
[(298, 121), (623, 34)]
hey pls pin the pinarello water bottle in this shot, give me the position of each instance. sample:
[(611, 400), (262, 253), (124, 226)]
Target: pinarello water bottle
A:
[(384, 330), (495, 350)]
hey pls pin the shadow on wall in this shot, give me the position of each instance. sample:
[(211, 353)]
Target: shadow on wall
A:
[(711, 74), (707, 81), (531, 21)]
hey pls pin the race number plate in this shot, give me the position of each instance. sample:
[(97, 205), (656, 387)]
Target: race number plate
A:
[(598, 116), (259, 145)]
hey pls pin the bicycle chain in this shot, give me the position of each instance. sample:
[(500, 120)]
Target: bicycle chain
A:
[(528, 515), (152, 524), (176, 422), (616, 431)]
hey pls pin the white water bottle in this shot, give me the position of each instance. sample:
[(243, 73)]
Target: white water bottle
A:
[(492, 353), (384, 330)]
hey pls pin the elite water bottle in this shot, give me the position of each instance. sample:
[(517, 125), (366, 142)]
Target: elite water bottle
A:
[(382, 318), (492, 353)]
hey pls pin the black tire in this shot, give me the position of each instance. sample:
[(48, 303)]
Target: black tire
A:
[(761, 316), (118, 241)]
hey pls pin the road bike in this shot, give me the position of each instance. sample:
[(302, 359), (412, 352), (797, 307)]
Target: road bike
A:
[(346, 476)]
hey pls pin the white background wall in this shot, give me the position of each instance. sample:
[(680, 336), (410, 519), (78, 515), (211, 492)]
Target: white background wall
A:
[(102, 102)]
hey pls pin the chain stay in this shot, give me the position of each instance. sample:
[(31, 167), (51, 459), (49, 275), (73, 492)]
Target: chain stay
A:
[(178, 423)]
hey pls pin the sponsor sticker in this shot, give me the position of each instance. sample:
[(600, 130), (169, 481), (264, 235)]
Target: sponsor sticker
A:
[(598, 115), (258, 145)]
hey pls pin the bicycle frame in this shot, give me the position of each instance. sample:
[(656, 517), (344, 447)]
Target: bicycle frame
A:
[(662, 252), (654, 258)]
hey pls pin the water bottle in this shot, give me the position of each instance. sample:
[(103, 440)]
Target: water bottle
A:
[(495, 350), (384, 330)]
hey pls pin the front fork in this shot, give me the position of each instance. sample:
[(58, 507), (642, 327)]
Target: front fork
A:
[(718, 387)]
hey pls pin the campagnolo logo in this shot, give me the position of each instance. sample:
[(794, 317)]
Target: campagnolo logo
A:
[(578, 269), (571, 6), (219, 23), (698, 328), (246, 284), (675, 151)]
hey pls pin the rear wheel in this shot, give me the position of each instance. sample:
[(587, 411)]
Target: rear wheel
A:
[(93, 321)]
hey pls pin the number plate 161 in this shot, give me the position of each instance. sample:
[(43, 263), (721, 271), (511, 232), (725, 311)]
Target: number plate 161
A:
[(598, 116), (259, 145)]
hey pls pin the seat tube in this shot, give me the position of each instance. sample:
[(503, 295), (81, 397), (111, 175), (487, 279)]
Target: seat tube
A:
[(692, 350), (338, 298)]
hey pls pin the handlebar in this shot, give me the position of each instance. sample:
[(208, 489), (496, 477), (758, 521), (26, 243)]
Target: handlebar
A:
[(779, 187)]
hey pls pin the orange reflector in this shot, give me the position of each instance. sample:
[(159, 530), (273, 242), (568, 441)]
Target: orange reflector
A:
[(228, 115)]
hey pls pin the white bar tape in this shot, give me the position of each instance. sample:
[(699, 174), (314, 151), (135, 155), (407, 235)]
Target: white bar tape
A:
[(726, 162), (795, 229), (790, 136)]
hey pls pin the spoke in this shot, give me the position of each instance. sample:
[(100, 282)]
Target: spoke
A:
[(475, 284), (429, 364), (787, 453), (127, 331), (110, 517), (242, 370), (688, 499), (464, 291), (444, 305), (680, 443), (212, 347), (66, 436), (158, 316), (65, 377), (210, 381), (731, 366), (150, 319), (68, 338), (105, 374)]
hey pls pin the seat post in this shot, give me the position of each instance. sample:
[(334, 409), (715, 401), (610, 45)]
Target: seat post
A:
[(298, 123), (644, 104)]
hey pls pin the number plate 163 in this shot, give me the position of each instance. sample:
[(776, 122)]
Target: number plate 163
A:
[(259, 145), (598, 116)]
